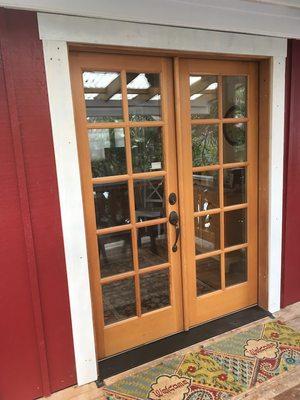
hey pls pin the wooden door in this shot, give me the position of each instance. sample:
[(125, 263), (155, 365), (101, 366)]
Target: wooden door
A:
[(218, 156), (124, 114)]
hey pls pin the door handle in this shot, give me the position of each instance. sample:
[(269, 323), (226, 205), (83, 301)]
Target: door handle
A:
[(174, 220)]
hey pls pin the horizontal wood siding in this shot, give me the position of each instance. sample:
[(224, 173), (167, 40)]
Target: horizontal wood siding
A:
[(36, 344)]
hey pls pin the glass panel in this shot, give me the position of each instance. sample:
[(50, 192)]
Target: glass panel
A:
[(234, 96), (234, 186), (149, 197), (118, 300), (235, 142), (111, 204), (155, 292), (103, 96), (207, 233), (206, 190), (236, 267), (208, 273), (235, 227), (147, 149), (205, 145), (204, 96), (143, 93), (115, 253), (152, 245), (107, 152)]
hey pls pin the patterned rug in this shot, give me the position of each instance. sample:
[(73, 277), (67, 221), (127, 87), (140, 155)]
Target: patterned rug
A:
[(219, 371)]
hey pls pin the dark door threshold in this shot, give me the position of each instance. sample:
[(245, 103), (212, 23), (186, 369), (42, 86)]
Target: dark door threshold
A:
[(149, 352)]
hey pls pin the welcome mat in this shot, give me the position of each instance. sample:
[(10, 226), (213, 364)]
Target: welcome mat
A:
[(219, 371)]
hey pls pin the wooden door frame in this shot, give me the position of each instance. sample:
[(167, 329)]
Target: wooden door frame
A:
[(264, 96)]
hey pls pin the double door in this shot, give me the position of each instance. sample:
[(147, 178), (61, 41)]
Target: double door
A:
[(168, 158)]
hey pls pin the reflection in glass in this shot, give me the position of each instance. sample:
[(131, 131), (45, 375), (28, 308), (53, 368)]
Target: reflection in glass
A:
[(146, 148), (144, 99), (107, 152), (204, 96), (118, 301), (115, 253), (155, 292), (152, 245), (208, 275), (206, 190), (205, 145), (235, 267), (234, 96), (207, 233), (235, 227), (234, 186), (103, 96), (149, 197), (111, 204), (235, 142)]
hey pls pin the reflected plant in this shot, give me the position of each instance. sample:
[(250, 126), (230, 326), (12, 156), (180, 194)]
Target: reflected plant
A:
[(146, 146), (205, 145)]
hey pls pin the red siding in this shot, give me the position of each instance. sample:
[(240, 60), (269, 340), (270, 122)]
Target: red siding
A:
[(291, 213), (35, 332)]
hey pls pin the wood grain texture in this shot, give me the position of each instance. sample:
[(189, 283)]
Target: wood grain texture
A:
[(139, 329)]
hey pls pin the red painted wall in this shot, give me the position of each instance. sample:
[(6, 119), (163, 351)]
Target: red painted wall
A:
[(291, 213), (36, 347)]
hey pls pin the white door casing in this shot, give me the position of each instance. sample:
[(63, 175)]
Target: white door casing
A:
[(57, 31)]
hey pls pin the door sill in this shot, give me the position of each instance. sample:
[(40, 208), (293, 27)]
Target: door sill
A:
[(141, 355)]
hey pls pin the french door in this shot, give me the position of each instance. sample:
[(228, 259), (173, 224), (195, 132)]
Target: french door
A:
[(170, 209), (218, 129)]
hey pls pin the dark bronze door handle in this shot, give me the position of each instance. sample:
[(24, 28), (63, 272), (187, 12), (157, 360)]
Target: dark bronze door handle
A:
[(174, 220)]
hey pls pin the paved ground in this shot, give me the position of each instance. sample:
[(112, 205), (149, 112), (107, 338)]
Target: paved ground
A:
[(284, 387)]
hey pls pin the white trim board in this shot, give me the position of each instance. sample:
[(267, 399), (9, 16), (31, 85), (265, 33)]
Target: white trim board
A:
[(71, 207), (116, 33), (276, 18), (56, 31)]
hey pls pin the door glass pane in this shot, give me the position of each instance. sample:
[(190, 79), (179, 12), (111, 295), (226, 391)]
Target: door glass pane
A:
[(118, 300), (236, 267), (207, 233), (235, 142), (107, 152), (144, 98), (206, 190), (205, 145), (155, 290), (111, 204), (234, 186), (235, 227), (152, 245), (115, 253), (204, 96), (146, 149), (208, 275), (234, 96), (149, 199), (103, 96)]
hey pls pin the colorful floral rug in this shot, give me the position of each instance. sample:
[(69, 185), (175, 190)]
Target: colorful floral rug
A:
[(218, 371)]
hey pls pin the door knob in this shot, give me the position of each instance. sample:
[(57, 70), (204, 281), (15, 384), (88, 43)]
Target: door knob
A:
[(174, 220)]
